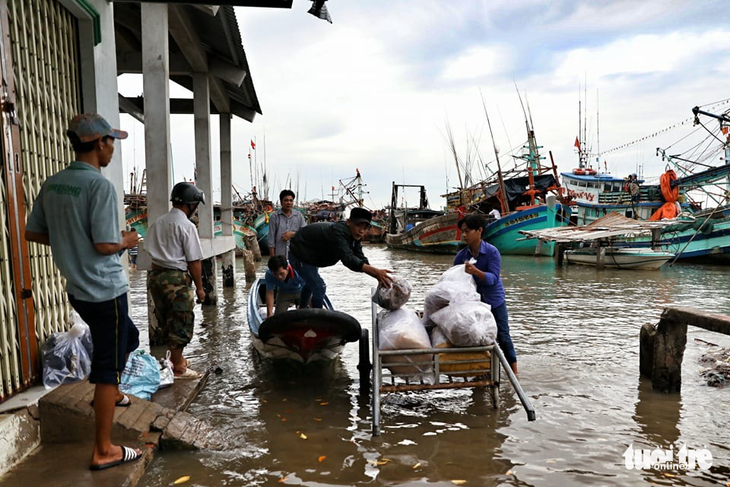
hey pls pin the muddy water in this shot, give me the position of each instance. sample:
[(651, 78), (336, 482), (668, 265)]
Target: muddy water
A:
[(576, 332)]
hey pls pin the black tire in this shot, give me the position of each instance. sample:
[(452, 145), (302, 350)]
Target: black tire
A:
[(364, 366)]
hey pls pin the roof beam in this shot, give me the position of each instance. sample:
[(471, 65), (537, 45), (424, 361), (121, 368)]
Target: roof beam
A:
[(187, 40), (235, 3)]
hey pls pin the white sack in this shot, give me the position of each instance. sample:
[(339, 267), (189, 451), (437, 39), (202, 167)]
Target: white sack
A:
[(393, 297), (401, 329), (467, 324)]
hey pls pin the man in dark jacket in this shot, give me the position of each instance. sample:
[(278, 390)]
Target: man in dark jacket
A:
[(325, 244)]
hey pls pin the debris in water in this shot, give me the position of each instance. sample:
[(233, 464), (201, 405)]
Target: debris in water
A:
[(182, 480)]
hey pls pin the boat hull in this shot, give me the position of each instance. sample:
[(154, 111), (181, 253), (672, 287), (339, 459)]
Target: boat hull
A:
[(438, 235), (305, 336), (505, 232), (712, 244), (620, 258)]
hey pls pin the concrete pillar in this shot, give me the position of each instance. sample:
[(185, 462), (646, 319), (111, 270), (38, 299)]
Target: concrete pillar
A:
[(600, 257), (228, 260), (156, 74), (204, 176)]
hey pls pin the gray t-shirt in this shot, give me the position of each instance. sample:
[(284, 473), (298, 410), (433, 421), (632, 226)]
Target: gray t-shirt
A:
[(77, 208), (279, 224), (172, 241)]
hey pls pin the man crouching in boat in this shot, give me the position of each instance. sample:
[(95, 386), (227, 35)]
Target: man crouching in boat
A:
[(287, 283), (324, 244)]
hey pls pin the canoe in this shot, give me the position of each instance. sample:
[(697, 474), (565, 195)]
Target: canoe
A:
[(302, 335), (620, 257)]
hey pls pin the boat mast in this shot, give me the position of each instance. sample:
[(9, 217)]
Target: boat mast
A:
[(502, 190), (532, 158)]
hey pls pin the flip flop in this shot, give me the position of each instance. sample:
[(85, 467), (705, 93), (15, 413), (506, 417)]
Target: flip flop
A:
[(124, 402), (129, 455), (189, 374)]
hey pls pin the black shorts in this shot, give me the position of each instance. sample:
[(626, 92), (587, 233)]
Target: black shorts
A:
[(113, 334)]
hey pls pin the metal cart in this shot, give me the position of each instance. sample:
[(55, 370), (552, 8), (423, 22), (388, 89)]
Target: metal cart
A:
[(471, 372)]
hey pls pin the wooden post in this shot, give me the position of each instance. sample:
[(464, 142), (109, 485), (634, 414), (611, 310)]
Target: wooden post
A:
[(669, 344), (559, 251), (601, 257)]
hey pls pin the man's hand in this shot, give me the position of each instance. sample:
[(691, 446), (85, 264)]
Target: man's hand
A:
[(129, 239), (200, 292), (288, 236), (380, 274)]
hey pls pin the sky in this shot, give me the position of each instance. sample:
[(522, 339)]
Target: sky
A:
[(380, 88)]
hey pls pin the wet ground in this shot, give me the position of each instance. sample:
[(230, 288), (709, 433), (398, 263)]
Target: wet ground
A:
[(576, 331)]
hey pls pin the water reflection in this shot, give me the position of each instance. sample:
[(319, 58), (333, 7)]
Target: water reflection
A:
[(576, 331)]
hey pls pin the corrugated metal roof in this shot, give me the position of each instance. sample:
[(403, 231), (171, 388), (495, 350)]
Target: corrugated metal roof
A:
[(607, 227)]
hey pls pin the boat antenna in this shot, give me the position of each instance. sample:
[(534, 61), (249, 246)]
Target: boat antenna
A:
[(452, 146), (502, 191)]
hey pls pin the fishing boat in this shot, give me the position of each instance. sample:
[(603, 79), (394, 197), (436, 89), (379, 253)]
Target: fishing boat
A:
[(619, 257), (692, 232), (301, 335), (420, 228)]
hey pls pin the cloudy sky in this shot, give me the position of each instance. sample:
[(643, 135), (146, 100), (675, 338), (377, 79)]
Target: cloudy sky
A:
[(379, 88)]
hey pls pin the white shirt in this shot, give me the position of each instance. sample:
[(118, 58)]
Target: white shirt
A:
[(495, 213), (172, 241)]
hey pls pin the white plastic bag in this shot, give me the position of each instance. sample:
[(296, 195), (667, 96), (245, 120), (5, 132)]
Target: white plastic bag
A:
[(467, 324), (452, 287), (167, 374), (401, 329), (393, 297), (67, 356)]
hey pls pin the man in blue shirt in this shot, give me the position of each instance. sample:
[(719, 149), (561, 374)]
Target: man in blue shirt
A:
[(482, 260), (287, 283), (76, 214)]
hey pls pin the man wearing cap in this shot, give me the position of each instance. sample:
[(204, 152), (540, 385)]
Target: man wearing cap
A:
[(174, 245), (76, 214), (324, 244)]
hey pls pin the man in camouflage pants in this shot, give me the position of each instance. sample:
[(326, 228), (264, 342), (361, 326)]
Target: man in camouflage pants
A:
[(174, 246)]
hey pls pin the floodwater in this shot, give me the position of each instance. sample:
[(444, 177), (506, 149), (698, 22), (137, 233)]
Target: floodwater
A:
[(576, 331)]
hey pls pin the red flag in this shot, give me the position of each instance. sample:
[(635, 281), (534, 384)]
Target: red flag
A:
[(253, 146), (577, 143), (724, 130), (249, 155)]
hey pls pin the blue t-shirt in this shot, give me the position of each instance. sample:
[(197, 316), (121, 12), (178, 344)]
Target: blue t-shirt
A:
[(77, 208), (490, 262), (293, 283)]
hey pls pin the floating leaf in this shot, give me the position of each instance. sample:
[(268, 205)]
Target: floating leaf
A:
[(416, 465), (282, 480), (283, 420), (323, 403), (318, 419), (182, 480), (458, 482), (303, 436), (508, 472), (321, 459)]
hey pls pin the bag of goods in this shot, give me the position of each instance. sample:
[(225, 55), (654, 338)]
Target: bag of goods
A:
[(454, 286), (401, 329), (393, 297), (141, 375), (470, 363), (467, 324), (67, 356)]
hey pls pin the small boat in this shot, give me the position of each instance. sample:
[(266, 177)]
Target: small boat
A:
[(620, 257), (302, 335)]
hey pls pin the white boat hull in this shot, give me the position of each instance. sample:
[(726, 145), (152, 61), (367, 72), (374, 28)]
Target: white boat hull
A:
[(620, 258)]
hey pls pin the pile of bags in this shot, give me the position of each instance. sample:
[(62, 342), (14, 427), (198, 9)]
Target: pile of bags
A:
[(453, 316)]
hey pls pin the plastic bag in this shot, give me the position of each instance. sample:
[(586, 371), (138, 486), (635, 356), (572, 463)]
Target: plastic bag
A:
[(167, 374), (450, 290), (393, 297), (141, 375), (468, 324), (67, 356), (401, 329)]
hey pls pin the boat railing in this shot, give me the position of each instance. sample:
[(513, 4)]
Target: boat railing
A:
[(438, 368)]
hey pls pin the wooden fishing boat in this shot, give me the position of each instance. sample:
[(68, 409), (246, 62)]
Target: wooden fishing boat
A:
[(620, 257), (302, 335)]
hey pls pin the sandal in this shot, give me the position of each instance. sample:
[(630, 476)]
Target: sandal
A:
[(129, 455), (189, 374), (124, 402)]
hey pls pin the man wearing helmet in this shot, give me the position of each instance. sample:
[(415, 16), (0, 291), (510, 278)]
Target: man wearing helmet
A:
[(174, 245)]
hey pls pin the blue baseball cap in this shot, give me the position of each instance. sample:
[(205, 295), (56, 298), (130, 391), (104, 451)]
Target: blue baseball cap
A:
[(91, 126)]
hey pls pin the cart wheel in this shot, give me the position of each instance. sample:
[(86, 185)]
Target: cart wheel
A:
[(364, 366)]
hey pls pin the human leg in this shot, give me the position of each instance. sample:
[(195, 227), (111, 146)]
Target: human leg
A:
[(314, 284), (284, 301), (113, 335), (504, 340)]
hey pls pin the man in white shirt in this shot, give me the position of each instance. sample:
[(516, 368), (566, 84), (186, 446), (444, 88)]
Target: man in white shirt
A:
[(174, 246), (494, 214)]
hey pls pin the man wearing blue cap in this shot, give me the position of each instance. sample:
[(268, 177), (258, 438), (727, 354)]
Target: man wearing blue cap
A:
[(324, 244), (76, 214)]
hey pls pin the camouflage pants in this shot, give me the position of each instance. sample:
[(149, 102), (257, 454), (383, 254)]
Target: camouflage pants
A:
[(172, 294)]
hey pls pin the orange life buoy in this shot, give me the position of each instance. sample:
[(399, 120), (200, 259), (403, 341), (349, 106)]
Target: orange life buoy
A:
[(591, 172), (579, 172)]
